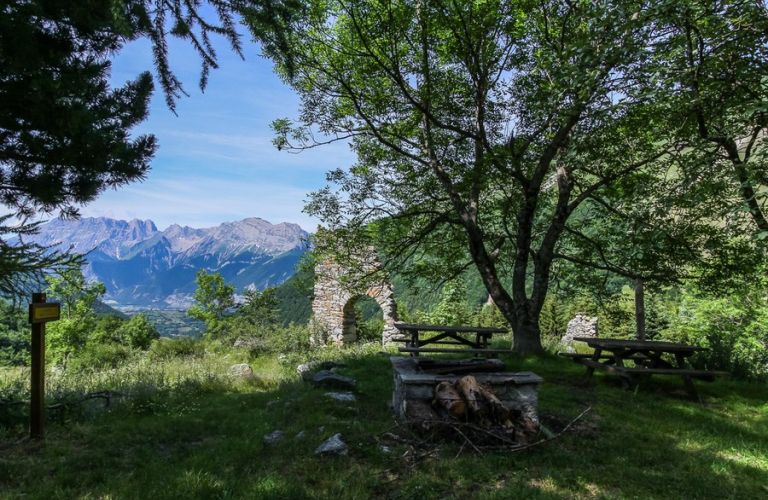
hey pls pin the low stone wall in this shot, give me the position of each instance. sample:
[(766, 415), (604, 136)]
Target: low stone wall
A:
[(518, 391)]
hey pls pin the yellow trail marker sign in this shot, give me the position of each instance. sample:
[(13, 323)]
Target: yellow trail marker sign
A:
[(44, 312)]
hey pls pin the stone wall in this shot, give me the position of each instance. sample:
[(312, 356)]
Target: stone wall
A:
[(333, 306), (580, 326)]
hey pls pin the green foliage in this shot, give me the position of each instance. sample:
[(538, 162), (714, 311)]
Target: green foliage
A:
[(369, 320), (213, 299), (99, 356), (490, 316), (78, 322), (66, 132), (137, 333), (452, 309), (733, 328), (180, 347), (106, 327), (554, 317), (260, 308), (14, 335), (295, 298)]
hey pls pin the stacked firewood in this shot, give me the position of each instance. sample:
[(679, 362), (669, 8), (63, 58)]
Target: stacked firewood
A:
[(465, 410)]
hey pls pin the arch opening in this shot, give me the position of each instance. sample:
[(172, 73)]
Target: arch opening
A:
[(334, 307)]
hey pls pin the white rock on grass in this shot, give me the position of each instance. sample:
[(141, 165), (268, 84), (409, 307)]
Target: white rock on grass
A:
[(333, 446), (273, 437), (242, 370), (341, 396)]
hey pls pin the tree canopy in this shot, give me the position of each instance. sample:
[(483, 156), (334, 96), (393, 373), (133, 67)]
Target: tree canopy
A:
[(65, 134), (213, 299), (492, 134)]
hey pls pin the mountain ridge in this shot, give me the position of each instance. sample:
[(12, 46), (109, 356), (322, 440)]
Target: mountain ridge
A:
[(143, 267)]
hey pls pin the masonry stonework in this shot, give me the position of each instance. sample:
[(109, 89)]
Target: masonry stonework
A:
[(333, 321)]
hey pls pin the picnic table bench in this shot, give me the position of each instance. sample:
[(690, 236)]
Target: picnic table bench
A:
[(648, 358), (473, 339)]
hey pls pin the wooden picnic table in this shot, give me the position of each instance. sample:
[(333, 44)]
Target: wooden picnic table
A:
[(474, 338), (647, 358)]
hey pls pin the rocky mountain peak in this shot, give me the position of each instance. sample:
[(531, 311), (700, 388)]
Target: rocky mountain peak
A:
[(144, 267)]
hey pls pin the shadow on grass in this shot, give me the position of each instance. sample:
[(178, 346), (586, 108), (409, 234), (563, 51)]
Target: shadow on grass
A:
[(209, 443)]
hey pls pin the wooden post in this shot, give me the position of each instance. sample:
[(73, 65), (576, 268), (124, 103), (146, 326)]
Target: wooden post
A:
[(37, 408), (639, 309)]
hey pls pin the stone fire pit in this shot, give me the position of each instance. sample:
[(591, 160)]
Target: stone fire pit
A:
[(518, 391)]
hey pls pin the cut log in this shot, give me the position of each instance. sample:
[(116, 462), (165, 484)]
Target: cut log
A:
[(420, 415), (445, 415), (470, 389), (448, 397), (499, 411)]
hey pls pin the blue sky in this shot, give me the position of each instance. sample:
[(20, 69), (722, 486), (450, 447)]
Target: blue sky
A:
[(216, 161)]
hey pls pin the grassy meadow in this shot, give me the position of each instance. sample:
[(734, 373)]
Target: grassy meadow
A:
[(182, 428)]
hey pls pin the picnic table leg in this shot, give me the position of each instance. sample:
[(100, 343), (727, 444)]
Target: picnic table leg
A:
[(481, 342), (687, 380), (415, 341), (596, 359)]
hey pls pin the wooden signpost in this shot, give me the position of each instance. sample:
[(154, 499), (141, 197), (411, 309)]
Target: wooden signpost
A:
[(40, 312)]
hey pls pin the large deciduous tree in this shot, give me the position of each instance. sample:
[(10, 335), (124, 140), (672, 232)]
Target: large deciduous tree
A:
[(480, 128), (714, 54)]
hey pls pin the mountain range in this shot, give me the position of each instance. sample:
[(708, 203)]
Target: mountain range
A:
[(144, 268)]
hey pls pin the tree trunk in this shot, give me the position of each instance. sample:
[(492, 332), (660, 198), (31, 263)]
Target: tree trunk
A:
[(640, 309), (527, 335)]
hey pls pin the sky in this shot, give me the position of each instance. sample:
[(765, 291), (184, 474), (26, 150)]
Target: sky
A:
[(216, 162)]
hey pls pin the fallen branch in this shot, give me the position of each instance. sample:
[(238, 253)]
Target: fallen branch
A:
[(507, 443), (548, 439), (107, 395)]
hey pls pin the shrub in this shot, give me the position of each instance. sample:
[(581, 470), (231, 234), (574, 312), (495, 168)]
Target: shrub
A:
[(98, 356), (734, 329), (165, 348)]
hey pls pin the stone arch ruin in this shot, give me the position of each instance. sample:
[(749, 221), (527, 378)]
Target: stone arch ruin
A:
[(333, 305)]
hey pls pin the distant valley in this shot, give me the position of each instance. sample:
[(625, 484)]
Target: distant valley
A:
[(144, 268)]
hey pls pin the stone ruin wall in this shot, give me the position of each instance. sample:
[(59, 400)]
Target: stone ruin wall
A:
[(333, 306), (580, 326)]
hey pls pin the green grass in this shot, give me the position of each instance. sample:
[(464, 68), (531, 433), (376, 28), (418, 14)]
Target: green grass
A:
[(184, 430)]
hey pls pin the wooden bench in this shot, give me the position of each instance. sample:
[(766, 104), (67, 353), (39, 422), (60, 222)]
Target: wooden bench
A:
[(649, 358), (637, 373), (576, 356), (447, 342), (640, 371), (488, 353)]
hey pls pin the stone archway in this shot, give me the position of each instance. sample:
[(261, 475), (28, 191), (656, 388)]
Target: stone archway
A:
[(334, 304)]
